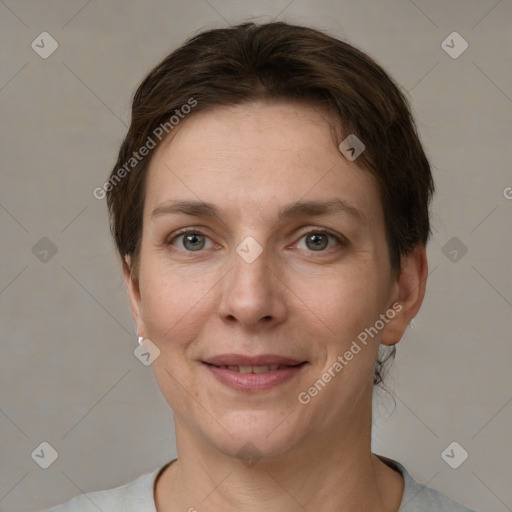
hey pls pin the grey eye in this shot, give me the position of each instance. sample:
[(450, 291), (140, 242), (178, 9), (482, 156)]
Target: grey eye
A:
[(317, 241), (193, 241)]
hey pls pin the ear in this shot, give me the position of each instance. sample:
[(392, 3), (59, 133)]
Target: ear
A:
[(409, 292), (133, 290)]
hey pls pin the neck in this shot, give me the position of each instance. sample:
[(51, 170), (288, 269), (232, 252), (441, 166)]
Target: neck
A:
[(333, 471)]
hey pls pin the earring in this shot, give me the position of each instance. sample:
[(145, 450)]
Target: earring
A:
[(139, 339)]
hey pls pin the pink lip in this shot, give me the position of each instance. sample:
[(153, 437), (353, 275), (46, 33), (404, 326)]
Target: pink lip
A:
[(251, 382), (242, 360)]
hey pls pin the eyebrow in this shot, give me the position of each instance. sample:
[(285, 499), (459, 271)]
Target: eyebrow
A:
[(292, 210)]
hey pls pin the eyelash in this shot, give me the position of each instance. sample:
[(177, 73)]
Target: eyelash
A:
[(340, 240)]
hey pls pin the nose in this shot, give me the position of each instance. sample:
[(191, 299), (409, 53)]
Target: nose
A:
[(252, 295)]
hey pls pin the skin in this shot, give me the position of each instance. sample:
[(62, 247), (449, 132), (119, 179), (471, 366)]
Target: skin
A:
[(296, 299)]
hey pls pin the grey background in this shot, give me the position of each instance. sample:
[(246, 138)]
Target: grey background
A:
[(68, 373)]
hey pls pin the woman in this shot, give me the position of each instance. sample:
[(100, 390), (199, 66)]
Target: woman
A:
[(270, 208)]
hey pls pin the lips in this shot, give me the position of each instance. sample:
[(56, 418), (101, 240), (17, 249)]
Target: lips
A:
[(253, 373), (254, 369), (260, 360)]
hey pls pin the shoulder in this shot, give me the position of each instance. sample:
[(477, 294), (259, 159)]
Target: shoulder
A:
[(136, 496), (420, 498)]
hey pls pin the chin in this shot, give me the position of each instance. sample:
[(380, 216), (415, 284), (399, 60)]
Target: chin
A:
[(255, 434)]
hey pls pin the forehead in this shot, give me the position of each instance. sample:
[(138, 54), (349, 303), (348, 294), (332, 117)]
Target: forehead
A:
[(257, 157)]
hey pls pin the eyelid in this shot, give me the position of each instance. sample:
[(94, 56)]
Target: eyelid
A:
[(326, 231)]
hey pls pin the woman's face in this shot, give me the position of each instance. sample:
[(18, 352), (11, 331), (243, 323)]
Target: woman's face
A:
[(284, 266)]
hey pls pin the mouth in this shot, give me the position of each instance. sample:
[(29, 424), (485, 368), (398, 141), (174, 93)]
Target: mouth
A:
[(257, 369), (251, 374)]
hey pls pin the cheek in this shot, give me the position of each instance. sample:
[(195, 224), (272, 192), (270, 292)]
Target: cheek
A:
[(346, 299), (172, 300), (174, 310)]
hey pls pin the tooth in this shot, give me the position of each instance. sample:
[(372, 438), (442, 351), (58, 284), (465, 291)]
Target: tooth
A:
[(260, 369), (232, 368), (245, 369), (273, 367)]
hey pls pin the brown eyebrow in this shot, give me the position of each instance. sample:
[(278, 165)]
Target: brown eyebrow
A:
[(297, 209), (195, 208), (319, 208)]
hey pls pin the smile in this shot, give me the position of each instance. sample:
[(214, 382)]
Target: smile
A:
[(253, 377), (254, 369)]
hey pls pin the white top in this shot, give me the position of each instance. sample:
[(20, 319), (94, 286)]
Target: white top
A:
[(138, 496)]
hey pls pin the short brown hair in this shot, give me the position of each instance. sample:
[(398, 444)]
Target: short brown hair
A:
[(282, 62)]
